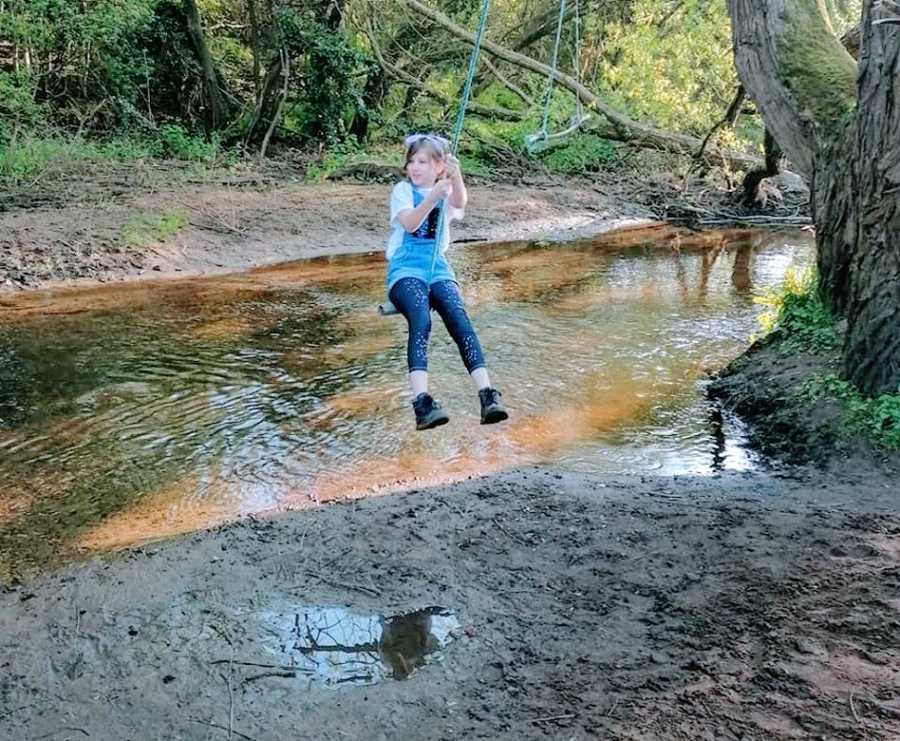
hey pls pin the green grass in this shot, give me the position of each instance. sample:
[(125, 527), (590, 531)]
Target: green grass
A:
[(349, 153), (146, 229), (26, 157), (799, 316)]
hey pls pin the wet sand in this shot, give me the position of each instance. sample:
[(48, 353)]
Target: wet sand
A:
[(735, 606)]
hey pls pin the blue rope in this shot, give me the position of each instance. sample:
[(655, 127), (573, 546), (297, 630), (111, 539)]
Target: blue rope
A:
[(458, 126), (552, 79)]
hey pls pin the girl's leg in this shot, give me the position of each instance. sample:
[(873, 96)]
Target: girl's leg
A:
[(410, 296), (448, 302)]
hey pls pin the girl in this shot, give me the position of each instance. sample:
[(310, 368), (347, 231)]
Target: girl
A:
[(418, 281)]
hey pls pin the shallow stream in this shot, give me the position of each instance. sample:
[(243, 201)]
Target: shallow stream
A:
[(142, 410)]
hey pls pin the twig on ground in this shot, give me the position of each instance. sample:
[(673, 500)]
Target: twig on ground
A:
[(342, 584), (285, 675), (264, 666), (565, 716), (217, 725), (64, 728), (853, 709)]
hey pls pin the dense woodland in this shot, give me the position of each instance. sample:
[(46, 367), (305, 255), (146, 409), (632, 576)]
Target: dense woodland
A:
[(190, 77)]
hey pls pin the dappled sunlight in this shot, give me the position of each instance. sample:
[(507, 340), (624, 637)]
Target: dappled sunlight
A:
[(144, 410), (365, 401), (182, 507)]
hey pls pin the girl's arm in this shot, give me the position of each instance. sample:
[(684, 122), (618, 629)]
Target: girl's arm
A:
[(411, 218), (459, 196)]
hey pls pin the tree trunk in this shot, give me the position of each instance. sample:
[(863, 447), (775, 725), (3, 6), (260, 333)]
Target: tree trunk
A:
[(217, 111), (805, 84), (872, 349)]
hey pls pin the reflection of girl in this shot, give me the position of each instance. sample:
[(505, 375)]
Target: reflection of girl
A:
[(405, 641), (418, 280)]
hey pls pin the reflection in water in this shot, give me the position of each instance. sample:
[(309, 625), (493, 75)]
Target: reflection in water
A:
[(137, 411), (338, 647)]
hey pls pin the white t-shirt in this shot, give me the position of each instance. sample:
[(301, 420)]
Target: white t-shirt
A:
[(402, 199)]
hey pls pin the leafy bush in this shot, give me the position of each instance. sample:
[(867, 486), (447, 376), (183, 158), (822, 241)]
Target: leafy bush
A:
[(672, 67), (18, 93), (583, 153), (331, 64), (798, 312), (876, 417), (177, 142)]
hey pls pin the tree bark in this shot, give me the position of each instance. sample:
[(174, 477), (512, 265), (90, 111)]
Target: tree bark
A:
[(217, 110), (805, 84), (872, 349), (626, 128)]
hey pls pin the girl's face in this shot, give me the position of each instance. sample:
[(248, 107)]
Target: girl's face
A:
[(423, 168)]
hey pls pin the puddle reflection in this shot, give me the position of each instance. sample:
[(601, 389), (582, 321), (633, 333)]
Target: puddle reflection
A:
[(337, 647)]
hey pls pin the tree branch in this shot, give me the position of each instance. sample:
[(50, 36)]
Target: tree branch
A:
[(626, 128), (509, 84), (505, 114), (887, 11)]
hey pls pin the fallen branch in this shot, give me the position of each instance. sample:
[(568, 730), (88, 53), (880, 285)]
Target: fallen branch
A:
[(505, 114), (343, 585), (564, 716), (509, 84), (294, 669), (628, 129)]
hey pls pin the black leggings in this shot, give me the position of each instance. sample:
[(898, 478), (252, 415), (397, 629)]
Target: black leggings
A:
[(413, 299)]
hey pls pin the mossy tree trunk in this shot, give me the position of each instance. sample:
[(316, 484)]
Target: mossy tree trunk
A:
[(218, 113), (807, 86)]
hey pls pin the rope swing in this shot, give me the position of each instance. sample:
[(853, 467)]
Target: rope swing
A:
[(542, 139), (387, 308)]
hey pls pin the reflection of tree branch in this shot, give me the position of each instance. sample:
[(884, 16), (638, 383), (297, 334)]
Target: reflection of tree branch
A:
[(889, 11), (337, 648)]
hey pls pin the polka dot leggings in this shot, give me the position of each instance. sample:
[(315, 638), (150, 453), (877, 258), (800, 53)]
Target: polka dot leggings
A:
[(413, 299)]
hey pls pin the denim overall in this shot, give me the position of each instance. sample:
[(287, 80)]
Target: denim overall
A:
[(413, 257)]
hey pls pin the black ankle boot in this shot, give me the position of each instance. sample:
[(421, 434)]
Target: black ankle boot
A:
[(428, 413), (492, 410)]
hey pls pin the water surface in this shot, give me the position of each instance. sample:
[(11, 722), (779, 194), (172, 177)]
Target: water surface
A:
[(143, 410)]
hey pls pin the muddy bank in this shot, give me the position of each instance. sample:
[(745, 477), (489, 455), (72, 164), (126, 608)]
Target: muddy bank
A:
[(740, 606), (764, 386), (181, 226)]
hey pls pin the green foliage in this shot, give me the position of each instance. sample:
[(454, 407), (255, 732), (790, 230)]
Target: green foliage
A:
[(876, 417), (798, 312), (580, 153), (333, 159), (94, 46), (26, 156), (350, 152), (178, 143), (673, 67), (147, 229), (329, 96), (18, 99)]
